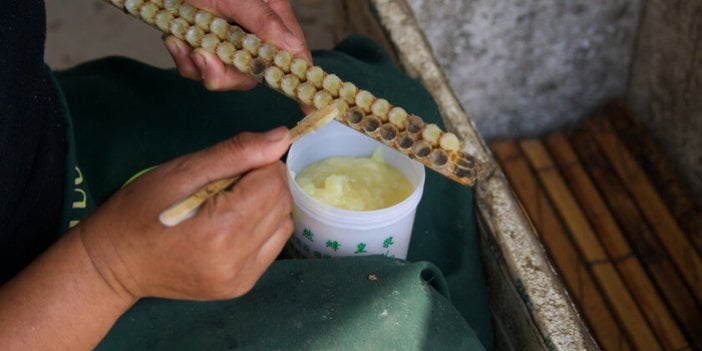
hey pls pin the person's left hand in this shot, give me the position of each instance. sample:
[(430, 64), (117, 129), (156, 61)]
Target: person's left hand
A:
[(271, 20)]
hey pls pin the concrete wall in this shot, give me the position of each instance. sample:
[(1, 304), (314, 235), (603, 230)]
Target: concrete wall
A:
[(519, 67), (522, 67), (666, 84)]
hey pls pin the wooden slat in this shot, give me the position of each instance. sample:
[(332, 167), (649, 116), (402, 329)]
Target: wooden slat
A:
[(640, 188), (647, 199), (606, 276), (644, 149), (607, 230), (568, 262), (638, 232)]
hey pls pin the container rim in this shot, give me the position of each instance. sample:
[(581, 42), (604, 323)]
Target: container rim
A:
[(353, 219)]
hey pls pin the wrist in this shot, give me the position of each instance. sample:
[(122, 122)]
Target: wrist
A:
[(101, 272), (59, 301)]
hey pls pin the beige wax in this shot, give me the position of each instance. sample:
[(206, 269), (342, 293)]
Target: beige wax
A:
[(355, 183)]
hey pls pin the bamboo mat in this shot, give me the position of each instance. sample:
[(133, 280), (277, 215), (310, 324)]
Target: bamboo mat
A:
[(619, 227)]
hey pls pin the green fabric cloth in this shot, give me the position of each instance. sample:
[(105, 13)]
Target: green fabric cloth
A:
[(128, 116), (309, 305)]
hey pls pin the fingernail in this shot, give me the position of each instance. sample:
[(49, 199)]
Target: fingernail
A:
[(200, 61), (292, 41), (172, 46), (276, 134)]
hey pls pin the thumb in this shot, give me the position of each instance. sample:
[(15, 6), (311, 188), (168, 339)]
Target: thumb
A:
[(238, 155)]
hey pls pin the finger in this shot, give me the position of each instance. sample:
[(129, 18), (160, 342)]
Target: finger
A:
[(257, 207), (217, 76), (265, 190), (258, 197), (228, 158), (180, 52), (259, 18), (286, 13), (275, 243), (257, 264), (306, 109), (271, 218)]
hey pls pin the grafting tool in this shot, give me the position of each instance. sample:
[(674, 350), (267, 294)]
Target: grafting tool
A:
[(187, 207)]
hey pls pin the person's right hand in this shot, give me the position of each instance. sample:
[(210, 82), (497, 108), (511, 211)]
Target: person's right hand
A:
[(218, 253)]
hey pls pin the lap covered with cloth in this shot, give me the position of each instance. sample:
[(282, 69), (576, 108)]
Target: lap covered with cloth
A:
[(126, 116)]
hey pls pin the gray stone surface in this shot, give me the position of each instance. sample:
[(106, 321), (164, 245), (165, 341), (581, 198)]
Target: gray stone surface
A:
[(515, 255), (666, 84), (523, 67)]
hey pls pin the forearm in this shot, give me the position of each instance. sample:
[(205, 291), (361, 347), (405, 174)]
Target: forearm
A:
[(59, 302), (66, 300)]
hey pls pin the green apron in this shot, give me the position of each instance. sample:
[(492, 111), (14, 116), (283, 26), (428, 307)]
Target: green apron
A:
[(126, 116)]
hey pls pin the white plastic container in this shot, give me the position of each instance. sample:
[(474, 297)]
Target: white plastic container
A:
[(324, 231)]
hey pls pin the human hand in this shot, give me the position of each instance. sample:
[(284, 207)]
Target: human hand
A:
[(218, 253), (271, 20)]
